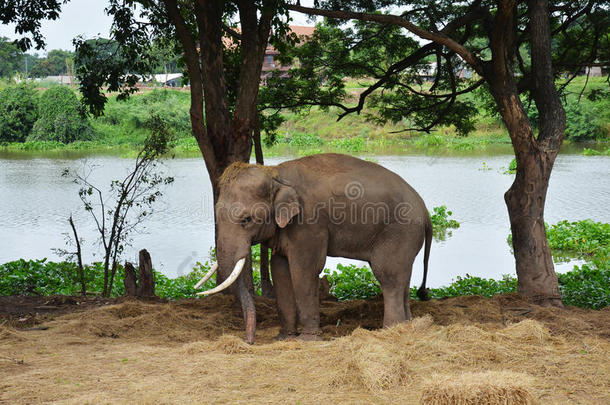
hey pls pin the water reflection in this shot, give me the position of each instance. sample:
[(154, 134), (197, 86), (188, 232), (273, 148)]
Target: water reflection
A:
[(35, 202)]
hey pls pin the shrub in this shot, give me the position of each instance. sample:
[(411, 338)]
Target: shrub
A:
[(581, 238), (512, 167), (581, 121), (18, 112), (587, 286), (441, 222), (300, 139), (352, 283), (62, 117), (349, 144)]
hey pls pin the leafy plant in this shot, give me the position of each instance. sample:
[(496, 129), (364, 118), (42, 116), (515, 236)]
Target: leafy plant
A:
[(300, 139), (587, 286), (18, 112), (128, 202), (352, 282), (581, 121), (62, 117), (441, 222), (512, 167)]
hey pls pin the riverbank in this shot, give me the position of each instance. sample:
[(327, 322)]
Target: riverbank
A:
[(429, 145), (119, 351), (123, 128)]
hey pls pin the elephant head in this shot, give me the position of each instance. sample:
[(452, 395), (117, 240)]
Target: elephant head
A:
[(253, 203)]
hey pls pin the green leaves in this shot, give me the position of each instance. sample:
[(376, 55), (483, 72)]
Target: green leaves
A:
[(62, 117), (18, 112), (441, 222)]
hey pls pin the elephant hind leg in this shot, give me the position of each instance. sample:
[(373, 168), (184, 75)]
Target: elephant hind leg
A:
[(392, 265)]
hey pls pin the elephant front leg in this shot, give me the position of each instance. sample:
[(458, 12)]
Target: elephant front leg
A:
[(305, 271), (284, 294)]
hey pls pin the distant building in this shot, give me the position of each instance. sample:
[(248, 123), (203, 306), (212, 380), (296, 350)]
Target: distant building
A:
[(163, 79), (270, 63), (169, 79), (68, 80)]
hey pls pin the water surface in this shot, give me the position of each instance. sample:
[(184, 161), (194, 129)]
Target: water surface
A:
[(35, 202)]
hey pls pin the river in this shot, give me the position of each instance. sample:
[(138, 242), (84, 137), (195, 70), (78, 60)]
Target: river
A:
[(36, 201)]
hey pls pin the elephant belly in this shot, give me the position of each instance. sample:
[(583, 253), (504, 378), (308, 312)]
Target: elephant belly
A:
[(352, 244)]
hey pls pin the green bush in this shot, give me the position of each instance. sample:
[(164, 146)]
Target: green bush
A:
[(587, 286), (353, 283), (130, 116), (441, 223), (18, 112), (581, 121), (62, 117), (582, 239), (353, 145), (300, 139)]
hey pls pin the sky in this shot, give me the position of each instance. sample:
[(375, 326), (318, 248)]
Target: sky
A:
[(87, 18)]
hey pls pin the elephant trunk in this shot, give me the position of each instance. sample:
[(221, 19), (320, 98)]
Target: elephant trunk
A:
[(248, 308)]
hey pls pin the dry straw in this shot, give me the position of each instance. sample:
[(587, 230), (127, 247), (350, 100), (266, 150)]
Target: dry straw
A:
[(490, 388), (193, 351)]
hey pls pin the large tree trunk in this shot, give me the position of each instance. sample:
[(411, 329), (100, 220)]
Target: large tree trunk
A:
[(525, 201), (535, 156)]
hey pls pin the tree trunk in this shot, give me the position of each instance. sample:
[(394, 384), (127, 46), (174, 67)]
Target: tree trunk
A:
[(130, 281), (79, 258), (526, 197), (266, 286), (525, 200), (146, 281)]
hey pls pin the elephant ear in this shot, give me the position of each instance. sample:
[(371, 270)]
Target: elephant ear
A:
[(286, 204)]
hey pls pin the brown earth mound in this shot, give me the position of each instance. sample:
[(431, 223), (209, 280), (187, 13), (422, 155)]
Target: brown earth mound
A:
[(460, 350)]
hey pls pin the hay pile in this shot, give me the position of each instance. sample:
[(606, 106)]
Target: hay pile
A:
[(193, 352), (490, 388)]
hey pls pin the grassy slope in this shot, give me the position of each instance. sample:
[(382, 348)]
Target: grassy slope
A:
[(123, 129)]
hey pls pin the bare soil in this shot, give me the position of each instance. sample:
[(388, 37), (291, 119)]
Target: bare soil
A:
[(77, 350)]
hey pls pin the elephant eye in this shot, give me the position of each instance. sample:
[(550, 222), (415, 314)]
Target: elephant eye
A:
[(246, 221)]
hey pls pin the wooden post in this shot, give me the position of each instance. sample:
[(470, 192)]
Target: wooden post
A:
[(129, 281), (146, 281)]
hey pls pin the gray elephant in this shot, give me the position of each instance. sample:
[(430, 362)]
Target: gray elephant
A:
[(310, 208)]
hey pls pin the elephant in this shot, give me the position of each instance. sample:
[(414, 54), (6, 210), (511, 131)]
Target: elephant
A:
[(310, 208)]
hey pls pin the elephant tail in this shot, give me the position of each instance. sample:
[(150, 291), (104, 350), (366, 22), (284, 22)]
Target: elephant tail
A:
[(422, 293)]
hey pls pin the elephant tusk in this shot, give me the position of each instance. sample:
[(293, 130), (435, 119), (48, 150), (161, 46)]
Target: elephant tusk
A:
[(234, 274), (207, 276)]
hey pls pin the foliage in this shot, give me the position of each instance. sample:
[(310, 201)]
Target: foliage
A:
[(593, 152), (26, 17), (303, 140), (62, 117), (512, 167), (584, 238), (352, 282), (18, 112), (441, 223), (42, 277), (11, 58), (470, 285), (128, 202), (57, 62), (581, 121), (587, 286)]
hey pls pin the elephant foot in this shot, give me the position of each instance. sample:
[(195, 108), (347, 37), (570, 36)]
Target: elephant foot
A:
[(285, 336), (310, 337)]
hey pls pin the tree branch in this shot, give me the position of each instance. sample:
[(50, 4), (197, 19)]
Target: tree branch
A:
[(439, 38)]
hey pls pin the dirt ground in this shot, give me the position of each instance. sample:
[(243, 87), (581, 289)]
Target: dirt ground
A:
[(71, 350)]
